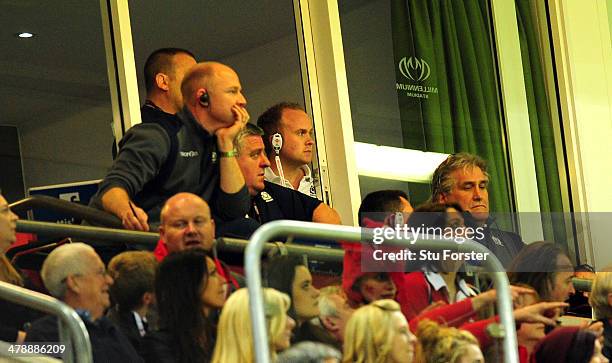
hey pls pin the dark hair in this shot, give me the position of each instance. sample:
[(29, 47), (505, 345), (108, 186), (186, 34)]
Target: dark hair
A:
[(160, 61), (269, 121), (381, 201), (430, 215), (565, 345), (180, 279), (536, 265), (279, 273)]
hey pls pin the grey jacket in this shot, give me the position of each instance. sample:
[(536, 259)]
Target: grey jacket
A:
[(143, 152)]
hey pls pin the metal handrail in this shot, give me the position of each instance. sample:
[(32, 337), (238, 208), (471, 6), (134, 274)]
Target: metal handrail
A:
[(71, 327), (88, 233), (282, 228), (89, 214)]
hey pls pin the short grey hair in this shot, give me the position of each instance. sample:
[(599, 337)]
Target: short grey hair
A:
[(248, 130), (309, 352), (65, 260), (327, 307), (442, 183)]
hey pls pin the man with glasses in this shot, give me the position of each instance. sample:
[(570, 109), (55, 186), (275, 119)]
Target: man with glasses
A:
[(75, 274)]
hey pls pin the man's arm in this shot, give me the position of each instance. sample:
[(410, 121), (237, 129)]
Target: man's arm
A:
[(144, 149), (233, 199), (231, 179), (117, 201), (325, 214)]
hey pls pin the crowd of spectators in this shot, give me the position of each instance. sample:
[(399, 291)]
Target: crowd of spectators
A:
[(196, 169)]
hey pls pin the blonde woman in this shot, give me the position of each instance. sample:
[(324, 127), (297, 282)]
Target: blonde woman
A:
[(234, 335), (378, 333), (601, 301), (449, 345)]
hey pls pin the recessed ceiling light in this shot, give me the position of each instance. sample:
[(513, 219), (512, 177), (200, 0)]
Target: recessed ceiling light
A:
[(25, 35)]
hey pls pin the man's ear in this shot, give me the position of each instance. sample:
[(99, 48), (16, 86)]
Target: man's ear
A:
[(161, 80), (329, 322), (442, 199), (72, 284), (610, 298)]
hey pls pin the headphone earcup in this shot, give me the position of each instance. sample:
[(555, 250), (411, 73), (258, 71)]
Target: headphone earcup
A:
[(205, 99), (277, 142)]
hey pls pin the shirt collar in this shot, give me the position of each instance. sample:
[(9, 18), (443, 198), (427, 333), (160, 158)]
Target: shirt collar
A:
[(437, 282), (271, 176)]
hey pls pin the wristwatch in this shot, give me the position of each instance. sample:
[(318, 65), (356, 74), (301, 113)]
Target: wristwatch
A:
[(228, 154)]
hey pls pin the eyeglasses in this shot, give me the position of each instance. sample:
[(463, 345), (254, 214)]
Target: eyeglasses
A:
[(99, 272)]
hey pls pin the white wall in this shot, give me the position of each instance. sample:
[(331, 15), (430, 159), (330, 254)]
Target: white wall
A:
[(581, 35)]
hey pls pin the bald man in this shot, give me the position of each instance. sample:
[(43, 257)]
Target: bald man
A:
[(186, 222), (196, 155)]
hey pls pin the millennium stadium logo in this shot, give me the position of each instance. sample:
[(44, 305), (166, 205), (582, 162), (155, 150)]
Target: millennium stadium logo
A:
[(414, 69)]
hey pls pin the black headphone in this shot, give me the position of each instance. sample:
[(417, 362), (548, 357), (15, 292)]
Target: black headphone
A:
[(205, 99)]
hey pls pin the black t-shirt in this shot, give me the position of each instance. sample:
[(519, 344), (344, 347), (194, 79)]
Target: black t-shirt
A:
[(277, 202)]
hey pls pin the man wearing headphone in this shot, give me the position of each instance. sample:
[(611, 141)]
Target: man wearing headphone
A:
[(200, 148), (289, 141)]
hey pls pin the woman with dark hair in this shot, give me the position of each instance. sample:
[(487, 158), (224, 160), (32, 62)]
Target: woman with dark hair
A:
[(569, 345), (188, 288), (545, 267), (289, 274), (434, 281)]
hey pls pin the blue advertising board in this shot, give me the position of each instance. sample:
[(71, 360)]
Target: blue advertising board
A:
[(79, 192)]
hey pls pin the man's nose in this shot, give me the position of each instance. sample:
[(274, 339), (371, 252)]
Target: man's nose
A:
[(190, 228), (264, 162), (242, 100), (477, 193)]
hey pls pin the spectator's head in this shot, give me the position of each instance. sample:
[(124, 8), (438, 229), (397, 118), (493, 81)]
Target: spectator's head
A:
[(235, 336), (252, 158), (439, 221), (163, 74), (213, 94), (310, 352), (379, 332), (569, 345), (529, 334), (186, 223), (75, 274), (449, 345), (545, 267), (601, 294), (296, 129), (463, 179), (372, 286), (8, 225), (378, 205), (133, 273), (188, 288), (334, 311), (290, 275)]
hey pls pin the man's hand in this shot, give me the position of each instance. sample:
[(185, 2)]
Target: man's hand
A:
[(226, 135), (516, 292), (117, 201), (539, 313), (135, 218)]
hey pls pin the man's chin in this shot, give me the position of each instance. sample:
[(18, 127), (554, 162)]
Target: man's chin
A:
[(479, 215)]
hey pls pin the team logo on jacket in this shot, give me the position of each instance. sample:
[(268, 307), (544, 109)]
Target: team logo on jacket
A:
[(266, 197), (190, 154)]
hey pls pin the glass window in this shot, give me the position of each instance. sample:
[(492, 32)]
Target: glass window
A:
[(55, 90), (421, 76), (258, 39)]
